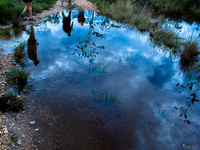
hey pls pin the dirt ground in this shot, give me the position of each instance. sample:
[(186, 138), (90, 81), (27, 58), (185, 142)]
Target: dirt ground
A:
[(16, 130)]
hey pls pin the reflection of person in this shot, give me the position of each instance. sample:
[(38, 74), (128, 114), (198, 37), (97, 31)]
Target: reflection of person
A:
[(81, 18), (29, 7), (32, 47), (66, 23)]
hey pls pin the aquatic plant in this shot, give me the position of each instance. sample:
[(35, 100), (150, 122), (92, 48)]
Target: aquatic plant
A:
[(18, 78), (91, 59), (115, 94), (165, 36), (120, 59), (106, 97), (112, 97), (164, 112), (11, 102), (190, 53), (105, 67), (19, 53)]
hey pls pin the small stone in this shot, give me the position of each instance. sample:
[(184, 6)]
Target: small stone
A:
[(19, 142), (32, 123), (36, 129), (6, 131)]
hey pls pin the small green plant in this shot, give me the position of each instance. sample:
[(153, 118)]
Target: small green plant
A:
[(120, 59), (14, 137), (91, 59), (18, 78), (11, 102), (19, 53), (106, 97), (115, 94), (164, 112), (105, 67), (112, 97), (127, 57)]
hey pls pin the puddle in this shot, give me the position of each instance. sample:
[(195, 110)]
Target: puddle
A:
[(104, 87)]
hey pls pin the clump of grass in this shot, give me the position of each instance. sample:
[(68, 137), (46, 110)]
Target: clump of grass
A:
[(15, 15), (190, 54), (5, 33), (19, 53), (129, 13), (37, 8), (166, 37), (18, 78), (11, 102)]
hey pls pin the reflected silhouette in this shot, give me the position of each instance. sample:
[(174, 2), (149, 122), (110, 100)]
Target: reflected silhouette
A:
[(32, 47), (192, 98), (66, 23), (87, 45), (81, 18)]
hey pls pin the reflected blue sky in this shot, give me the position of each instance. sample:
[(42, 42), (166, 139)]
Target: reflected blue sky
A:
[(144, 79)]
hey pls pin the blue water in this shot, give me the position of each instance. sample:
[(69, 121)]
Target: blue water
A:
[(72, 110)]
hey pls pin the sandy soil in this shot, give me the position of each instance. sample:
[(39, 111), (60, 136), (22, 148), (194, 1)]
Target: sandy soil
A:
[(18, 125)]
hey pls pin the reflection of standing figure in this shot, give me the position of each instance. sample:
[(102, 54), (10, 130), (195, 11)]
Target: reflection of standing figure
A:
[(66, 23), (81, 18), (32, 47)]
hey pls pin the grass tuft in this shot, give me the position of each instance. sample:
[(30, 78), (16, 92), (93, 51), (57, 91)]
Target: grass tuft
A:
[(18, 78), (19, 53), (11, 102), (190, 53)]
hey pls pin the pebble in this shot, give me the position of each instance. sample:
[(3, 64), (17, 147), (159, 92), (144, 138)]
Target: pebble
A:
[(6, 131), (19, 142), (32, 123), (36, 129)]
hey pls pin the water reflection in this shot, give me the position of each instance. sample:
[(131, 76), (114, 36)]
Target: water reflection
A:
[(81, 18), (32, 47), (162, 73), (71, 109), (67, 26)]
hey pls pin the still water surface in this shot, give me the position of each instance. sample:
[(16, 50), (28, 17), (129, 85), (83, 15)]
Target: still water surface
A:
[(104, 87)]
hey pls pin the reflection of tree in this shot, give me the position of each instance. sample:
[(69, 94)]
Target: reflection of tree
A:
[(194, 86), (87, 45), (55, 18)]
